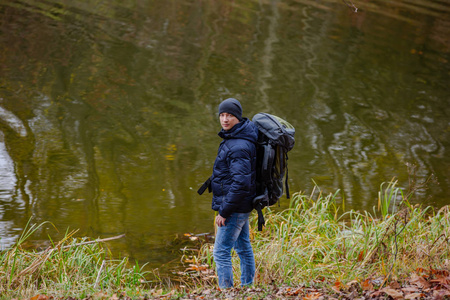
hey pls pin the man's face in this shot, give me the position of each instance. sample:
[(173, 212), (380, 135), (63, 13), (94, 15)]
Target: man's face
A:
[(227, 121)]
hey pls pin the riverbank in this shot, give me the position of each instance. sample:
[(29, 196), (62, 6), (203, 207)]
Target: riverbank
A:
[(309, 250), (312, 250)]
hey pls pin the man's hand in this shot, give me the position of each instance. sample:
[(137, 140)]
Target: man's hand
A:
[(220, 221)]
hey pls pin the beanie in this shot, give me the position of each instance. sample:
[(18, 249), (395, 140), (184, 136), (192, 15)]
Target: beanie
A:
[(231, 106)]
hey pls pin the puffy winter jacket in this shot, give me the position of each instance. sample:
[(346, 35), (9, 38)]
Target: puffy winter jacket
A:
[(234, 173)]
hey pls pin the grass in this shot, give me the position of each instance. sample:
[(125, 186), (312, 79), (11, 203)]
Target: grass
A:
[(70, 268), (311, 245)]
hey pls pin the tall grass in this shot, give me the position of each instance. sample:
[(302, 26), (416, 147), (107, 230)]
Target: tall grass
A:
[(70, 268), (312, 243)]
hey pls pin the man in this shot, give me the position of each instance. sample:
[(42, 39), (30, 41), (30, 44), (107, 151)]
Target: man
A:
[(233, 187)]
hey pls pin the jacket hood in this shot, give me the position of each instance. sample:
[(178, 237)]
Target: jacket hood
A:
[(245, 129)]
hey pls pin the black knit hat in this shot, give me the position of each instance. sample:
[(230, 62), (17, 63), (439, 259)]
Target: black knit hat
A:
[(231, 106)]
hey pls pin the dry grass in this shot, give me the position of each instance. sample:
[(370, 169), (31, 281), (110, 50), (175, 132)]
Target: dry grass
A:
[(69, 268), (312, 244)]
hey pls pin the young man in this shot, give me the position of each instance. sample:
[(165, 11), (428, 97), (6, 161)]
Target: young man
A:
[(233, 187)]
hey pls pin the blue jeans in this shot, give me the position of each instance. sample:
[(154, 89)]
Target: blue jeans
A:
[(235, 234)]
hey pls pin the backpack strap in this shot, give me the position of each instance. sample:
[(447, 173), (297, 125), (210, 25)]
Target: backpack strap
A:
[(267, 165), (261, 220), (282, 156), (288, 196), (258, 205), (206, 185)]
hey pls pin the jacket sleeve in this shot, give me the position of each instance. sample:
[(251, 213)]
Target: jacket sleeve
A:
[(240, 165)]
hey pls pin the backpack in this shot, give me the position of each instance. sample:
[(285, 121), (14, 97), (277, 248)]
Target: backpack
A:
[(275, 140)]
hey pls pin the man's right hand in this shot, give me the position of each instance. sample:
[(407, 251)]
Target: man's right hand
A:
[(220, 221)]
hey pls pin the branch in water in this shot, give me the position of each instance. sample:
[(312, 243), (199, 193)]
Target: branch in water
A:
[(83, 243), (351, 5)]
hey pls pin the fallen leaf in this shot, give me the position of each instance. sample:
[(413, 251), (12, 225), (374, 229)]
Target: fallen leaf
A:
[(375, 294), (366, 285), (441, 280), (441, 294), (40, 297), (193, 267), (420, 270), (353, 286), (294, 292), (410, 289), (393, 293), (312, 296), (337, 286), (394, 285), (414, 296), (440, 272), (419, 281)]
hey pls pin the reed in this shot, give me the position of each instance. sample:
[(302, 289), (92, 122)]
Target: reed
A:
[(312, 243), (70, 268)]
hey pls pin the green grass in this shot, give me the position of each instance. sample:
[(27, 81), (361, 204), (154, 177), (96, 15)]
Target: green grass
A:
[(70, 268), (311, 243)]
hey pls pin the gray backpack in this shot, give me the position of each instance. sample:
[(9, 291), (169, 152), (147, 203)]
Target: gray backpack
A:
[(275, 140)]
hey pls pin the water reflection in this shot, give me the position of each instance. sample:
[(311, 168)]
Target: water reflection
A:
[(8, 194), (108, 110)]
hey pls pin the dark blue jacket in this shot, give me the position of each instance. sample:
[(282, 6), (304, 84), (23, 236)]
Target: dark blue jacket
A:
[(234, 173)]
